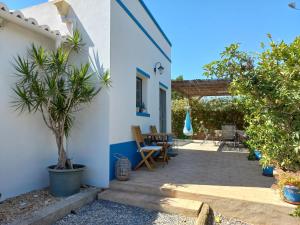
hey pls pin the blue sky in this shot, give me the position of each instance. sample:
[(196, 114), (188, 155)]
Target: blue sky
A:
[(200, 29)]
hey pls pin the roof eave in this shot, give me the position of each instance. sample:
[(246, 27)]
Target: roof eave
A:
[(18, 18)]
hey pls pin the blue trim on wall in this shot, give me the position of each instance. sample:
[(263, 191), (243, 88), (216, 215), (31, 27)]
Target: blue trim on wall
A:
[(163, 85), (143, 73), (143, 114), (127, 149), (142, 28), (155, 22)]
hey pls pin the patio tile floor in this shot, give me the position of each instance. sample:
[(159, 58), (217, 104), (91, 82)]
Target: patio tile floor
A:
[(225, 180)]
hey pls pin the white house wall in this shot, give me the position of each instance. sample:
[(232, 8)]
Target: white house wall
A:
[(131, 48), (47, 13), (27, 147), (89, 140), (89, 143), (119, 35)]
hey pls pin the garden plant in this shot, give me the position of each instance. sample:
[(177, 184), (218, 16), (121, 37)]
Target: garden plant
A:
[(50, 84), (207, 115), (268, 84)]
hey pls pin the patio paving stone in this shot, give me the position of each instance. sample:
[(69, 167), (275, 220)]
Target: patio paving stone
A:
[(227, 181)]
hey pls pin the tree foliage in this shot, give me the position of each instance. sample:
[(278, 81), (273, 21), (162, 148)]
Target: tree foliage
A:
[(211, 114), (49, 84), (175, 94), (269, 83)]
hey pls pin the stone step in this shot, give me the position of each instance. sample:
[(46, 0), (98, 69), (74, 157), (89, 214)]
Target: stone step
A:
[(221, 199), (167, 190), (184, 207)]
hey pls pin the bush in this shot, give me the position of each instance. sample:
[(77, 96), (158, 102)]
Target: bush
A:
[(269, 84), (211, 113), (296, 212)]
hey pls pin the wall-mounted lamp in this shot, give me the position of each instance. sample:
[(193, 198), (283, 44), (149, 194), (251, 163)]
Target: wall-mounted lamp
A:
[(158, 67)]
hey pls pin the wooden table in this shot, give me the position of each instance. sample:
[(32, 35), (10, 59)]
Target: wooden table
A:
[(162, 140), (157, 134)]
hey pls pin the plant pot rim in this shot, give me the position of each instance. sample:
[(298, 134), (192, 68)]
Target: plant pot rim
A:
[(292, 186), (269, 166), (79, 167)]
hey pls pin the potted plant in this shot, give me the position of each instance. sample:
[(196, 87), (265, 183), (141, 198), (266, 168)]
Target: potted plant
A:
[(267, 166), (257, 154), (289, 184), (143, 108), (49, 84)]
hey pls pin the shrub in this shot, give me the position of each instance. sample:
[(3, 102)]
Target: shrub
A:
[(296, 212), (269, 84), (211, 114), (288, 178)]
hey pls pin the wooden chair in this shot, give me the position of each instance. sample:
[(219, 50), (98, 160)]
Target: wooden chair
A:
[(145, 151), (162, 141), (153, 129)]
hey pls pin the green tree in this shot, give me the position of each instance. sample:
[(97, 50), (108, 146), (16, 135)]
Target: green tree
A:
[(269, 84), (49, 84), (212, 114), (175, 94)]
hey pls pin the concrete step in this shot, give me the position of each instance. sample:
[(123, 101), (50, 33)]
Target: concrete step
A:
[(167, 190), (221, 199), (184, 207)]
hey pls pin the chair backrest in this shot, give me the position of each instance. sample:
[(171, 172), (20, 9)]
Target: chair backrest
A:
[(137, 133), (153, 129), (228, 132)]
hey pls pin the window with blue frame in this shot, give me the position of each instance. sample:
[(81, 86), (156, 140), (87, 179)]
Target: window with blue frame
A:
[(139, 92), (142, 78)]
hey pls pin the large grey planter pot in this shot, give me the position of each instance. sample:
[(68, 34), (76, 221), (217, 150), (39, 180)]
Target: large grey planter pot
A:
[(64, 183)]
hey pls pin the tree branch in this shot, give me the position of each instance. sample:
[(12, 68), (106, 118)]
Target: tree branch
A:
[(45, 120)]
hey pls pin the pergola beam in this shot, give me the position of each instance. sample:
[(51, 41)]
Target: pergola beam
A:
[(201, 88)]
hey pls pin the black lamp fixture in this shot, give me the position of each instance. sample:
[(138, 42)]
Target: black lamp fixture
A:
[(293, 5), (158, 67)]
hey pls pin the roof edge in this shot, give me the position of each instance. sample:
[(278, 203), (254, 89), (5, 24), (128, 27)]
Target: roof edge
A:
[(155, 22), (17, 17)]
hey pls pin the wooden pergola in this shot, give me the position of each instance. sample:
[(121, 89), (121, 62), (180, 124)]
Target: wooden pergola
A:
[(201, 88)]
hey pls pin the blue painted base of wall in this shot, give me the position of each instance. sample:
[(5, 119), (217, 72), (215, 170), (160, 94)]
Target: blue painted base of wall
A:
[(127, 149)]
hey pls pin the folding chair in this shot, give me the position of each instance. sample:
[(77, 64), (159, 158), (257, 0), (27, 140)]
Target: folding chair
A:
[(145, 151), (162, 140)]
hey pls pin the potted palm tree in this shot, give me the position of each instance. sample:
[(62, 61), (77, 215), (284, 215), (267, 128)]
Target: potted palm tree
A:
[(50, 85)]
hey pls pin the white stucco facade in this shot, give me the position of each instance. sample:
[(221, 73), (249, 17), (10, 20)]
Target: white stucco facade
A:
[(120, 36), (26, 145)]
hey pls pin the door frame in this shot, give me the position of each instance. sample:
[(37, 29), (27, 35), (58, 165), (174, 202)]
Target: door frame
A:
[(162, 110)]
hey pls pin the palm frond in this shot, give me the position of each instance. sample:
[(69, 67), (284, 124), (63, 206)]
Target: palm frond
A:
[(24, 69), (23, 101), (74, 42), (105, 79), (38, 55)]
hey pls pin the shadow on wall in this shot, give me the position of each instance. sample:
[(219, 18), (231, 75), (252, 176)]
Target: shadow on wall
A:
[(88, 142)]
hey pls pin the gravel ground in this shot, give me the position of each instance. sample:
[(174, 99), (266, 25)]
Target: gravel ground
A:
[(221, 220), (109, 213), (24, 205)]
